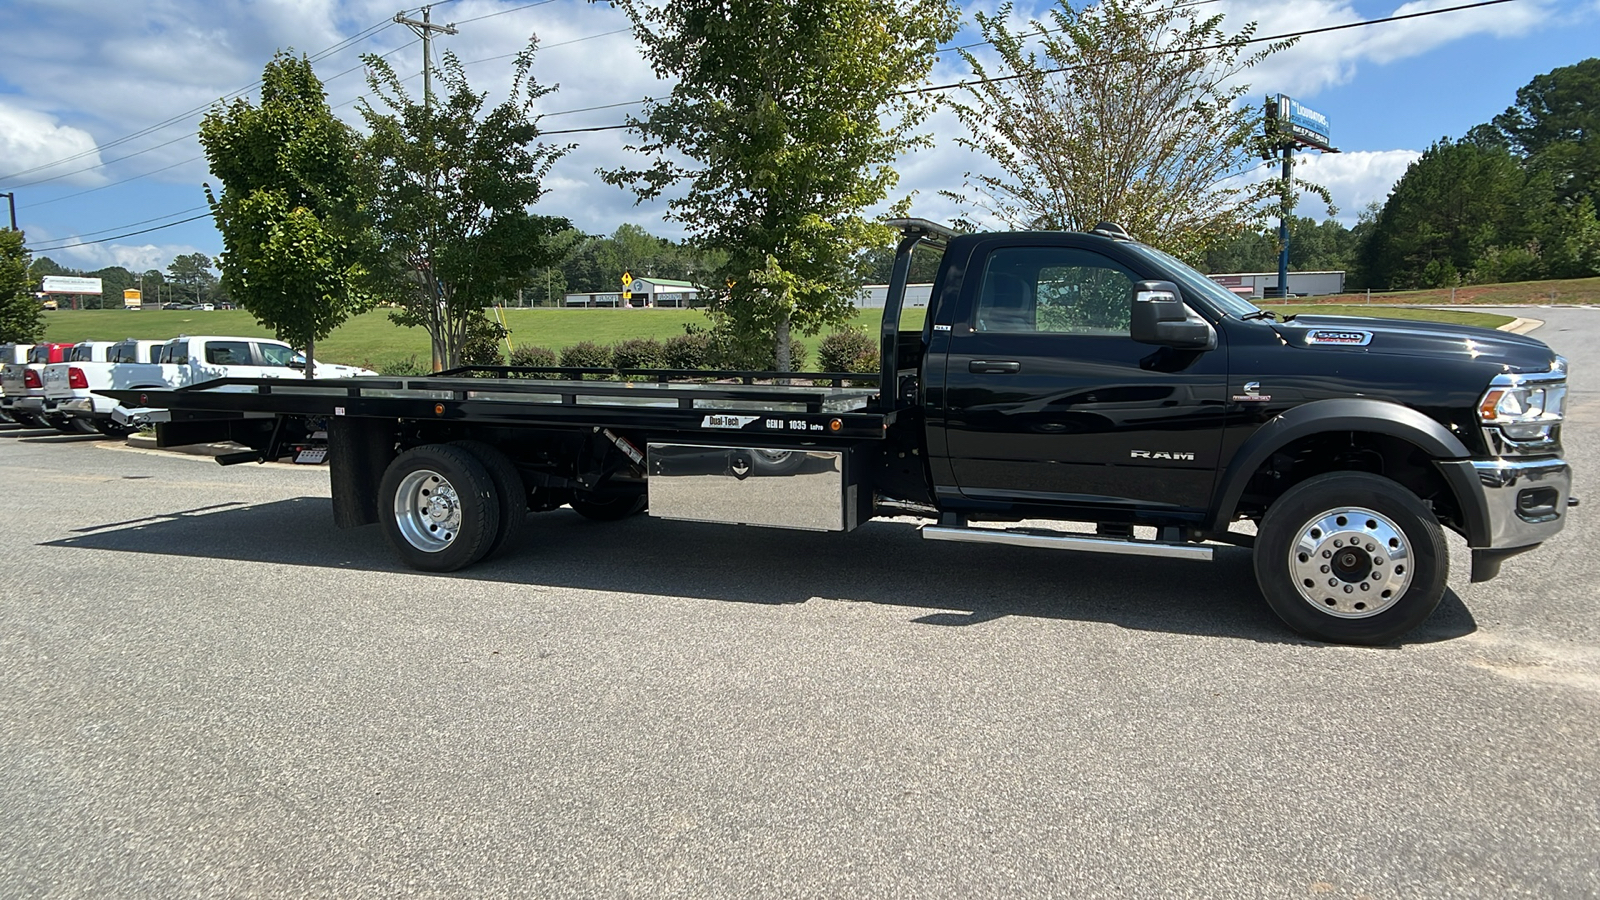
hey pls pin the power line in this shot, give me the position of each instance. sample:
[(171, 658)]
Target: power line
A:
[(1225, 44), (368, 33), (118, 237), (142, 221), (503, 12), (123, 181)]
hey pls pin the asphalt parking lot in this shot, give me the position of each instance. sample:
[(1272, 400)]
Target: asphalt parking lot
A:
[(208, 690)]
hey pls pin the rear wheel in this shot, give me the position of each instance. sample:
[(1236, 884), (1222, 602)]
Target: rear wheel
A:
[(607, 507), (508, 487), (111, 429), (440, 511), (1351, 558)]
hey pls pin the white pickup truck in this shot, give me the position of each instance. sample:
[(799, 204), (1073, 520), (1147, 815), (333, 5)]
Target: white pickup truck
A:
[(22, 387), (70, 386), (192, 359), (10, 355)]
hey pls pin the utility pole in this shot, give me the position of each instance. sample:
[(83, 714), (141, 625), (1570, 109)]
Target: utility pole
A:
[(1283, 222), (13, 198), (425, 30)]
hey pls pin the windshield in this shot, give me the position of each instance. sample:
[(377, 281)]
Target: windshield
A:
[(275, 355), (1195, 283)]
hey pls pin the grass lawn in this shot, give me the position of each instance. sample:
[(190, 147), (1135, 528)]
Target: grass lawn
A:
[(1571, 290), (373, 341)]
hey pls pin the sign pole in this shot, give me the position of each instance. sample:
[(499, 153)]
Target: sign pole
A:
[(1283, 223)]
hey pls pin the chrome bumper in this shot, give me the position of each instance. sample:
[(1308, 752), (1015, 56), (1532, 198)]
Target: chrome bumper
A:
[(1526, 502)]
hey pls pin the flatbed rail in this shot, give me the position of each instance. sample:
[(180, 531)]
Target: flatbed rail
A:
[(788, 410)]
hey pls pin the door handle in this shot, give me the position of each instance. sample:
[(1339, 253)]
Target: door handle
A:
[(994, 366)]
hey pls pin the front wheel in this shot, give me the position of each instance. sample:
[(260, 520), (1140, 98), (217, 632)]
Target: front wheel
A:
[(1351, 558)]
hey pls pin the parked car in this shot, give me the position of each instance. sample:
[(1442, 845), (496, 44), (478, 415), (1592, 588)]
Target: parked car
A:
[(71, 385), (24, 387), (61, 378), (10, 355), (188, 360)]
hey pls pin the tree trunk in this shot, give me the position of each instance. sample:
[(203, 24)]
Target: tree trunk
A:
[(311, 364), (784, 345)]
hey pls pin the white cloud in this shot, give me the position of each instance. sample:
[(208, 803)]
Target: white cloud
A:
[(133, 257), (1320, 61), (1355, 179), (29, 139)]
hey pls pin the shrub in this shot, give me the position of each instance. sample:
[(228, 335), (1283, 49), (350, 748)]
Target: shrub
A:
[(848, 350), (586, 355), (639, 353), (688, 351), (535, 356), (405, 367), (482, 346)]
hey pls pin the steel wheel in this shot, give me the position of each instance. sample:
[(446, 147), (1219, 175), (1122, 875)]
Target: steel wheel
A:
[(427, 511), (1351, 562)]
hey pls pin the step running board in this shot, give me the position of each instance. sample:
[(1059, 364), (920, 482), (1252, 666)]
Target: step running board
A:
[(1060, 541)]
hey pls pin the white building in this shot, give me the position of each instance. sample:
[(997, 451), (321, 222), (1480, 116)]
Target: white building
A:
[(647, 292), (1256, 285)]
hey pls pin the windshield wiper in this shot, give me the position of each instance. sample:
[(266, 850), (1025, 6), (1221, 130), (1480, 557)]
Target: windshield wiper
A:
[(1260, 314)]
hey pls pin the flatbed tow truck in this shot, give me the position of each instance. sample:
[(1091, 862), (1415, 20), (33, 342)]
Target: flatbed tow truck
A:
[(1074, 377)]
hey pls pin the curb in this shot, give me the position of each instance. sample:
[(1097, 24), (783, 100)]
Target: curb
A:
[(1521, 325)]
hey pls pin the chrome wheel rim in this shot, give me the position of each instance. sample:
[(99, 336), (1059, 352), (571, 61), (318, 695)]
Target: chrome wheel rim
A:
[(1351, 562), (427, 510)]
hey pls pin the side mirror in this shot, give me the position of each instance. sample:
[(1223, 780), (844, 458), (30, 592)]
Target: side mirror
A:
[(1159, 317), (297, 362)]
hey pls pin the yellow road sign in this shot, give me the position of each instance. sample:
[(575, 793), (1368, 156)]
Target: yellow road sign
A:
[(627, 295), (627, 279)]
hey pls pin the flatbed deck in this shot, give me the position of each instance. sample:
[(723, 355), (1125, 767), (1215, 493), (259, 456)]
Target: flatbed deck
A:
[(813, 410)]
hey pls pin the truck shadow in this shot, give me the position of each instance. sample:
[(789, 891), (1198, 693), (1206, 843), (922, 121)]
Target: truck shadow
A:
[(884, 562)]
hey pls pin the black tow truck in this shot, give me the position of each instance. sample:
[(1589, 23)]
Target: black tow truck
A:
[(1076, 377)]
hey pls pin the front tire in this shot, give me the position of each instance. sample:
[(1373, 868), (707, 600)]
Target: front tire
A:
[(438, 508), (1351, 558)]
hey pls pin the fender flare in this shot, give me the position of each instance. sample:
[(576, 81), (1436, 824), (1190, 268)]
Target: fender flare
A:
[(1339, 414)]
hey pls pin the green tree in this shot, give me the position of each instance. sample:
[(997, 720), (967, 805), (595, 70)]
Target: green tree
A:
[(1454, 204), (783, 124), (1555, 125), (191, 273), (1125, 111), (296, 245), (21, 316), (453, 185)]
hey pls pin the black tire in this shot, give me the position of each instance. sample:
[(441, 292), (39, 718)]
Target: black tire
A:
[(1351, 558), (508, 487), (111, 429), (27, 420), (469, 514), (777, 462), (607, 507)]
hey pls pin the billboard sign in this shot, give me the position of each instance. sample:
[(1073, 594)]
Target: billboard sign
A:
[(62, 284), (1305, 124)]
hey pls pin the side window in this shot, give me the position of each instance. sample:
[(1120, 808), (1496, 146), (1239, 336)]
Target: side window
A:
[(227, 353), (154, 352), (177, 354), (276, 355), (1054, 290)]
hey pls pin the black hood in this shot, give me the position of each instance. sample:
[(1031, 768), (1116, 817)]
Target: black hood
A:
[(1354, 334)]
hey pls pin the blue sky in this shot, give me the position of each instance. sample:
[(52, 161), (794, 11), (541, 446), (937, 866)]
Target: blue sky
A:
[(79, 75)]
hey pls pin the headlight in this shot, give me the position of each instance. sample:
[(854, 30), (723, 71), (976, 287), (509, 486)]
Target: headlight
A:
[(1526, 407)]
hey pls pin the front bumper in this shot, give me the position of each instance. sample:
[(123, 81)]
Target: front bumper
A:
[(1509, 504)]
